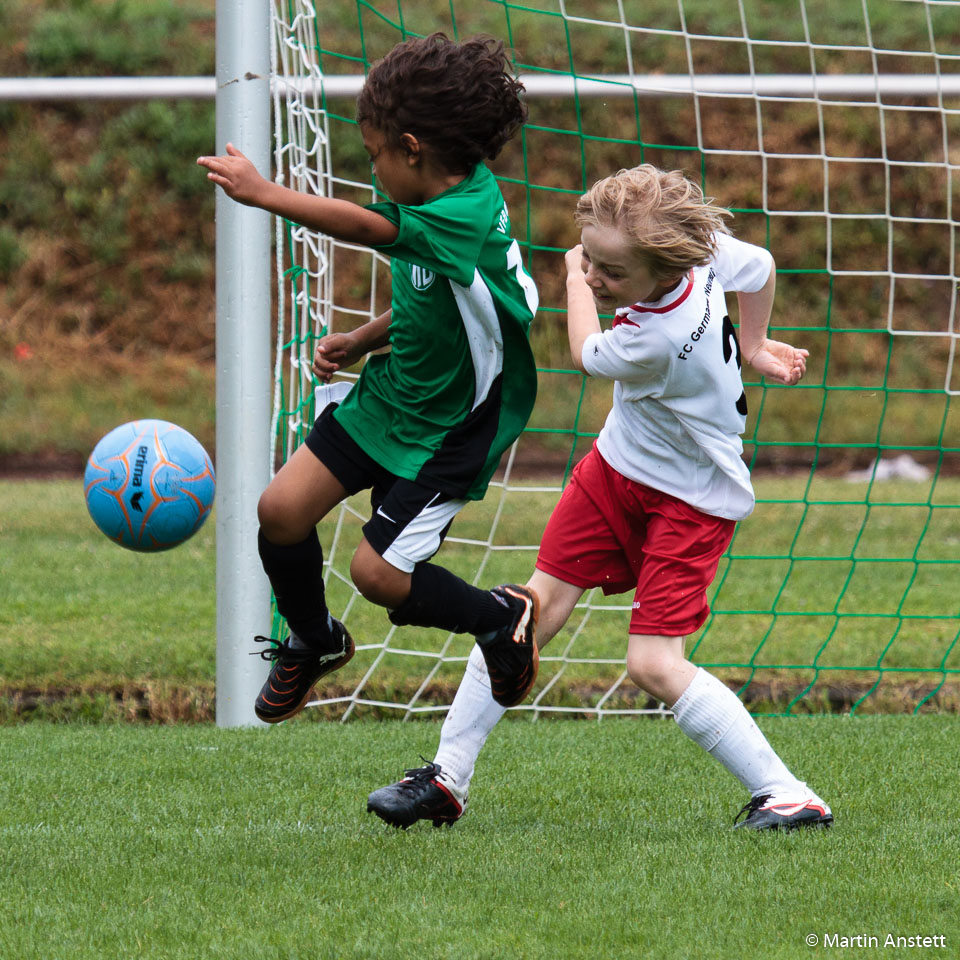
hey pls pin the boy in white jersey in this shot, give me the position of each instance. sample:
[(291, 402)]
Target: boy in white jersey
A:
[(426, 424), (654, 504)]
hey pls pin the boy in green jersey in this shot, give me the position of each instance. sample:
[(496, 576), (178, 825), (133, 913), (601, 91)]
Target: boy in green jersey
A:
[(426, 424)]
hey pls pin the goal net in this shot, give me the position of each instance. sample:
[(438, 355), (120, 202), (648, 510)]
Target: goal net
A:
[(831, 128)]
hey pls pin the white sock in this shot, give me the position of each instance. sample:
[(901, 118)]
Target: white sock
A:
[(711, 714), (468, 723)]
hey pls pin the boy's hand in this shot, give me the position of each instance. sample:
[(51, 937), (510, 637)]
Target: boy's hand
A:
[(573, 258), (334, 351), (236, 174), (780, 362)]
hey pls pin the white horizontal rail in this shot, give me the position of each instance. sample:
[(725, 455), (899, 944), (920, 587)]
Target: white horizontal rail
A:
[(537, 85)]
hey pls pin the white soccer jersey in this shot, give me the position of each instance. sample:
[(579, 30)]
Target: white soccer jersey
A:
[(678, 402)]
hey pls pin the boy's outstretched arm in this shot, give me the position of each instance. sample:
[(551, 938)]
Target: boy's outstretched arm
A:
[(336, 218), (779, 362), (582, 317)]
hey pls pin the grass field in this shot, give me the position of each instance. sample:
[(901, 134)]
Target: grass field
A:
[(583, 840)]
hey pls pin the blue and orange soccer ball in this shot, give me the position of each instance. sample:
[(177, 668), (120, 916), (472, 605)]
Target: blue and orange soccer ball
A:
[(149, 485)]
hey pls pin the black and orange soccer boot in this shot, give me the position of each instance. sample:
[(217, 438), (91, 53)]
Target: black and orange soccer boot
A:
[(767, 812), (426, 793), (295, 671), (511, 653)]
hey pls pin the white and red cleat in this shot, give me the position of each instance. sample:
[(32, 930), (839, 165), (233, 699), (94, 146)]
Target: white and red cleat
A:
[(784, 813), (426, 793)]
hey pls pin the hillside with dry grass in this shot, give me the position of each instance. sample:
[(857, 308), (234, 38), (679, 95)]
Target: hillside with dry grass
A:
[(107, 227), (106, 232)]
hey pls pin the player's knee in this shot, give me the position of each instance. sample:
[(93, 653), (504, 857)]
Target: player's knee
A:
[(278, 522), (267, 513), (637, 668), (650, 667), (377, 589), (377, 581), (366, 581), (272, 517)]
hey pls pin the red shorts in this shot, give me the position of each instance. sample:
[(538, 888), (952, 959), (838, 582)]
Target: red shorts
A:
[(614, 533)]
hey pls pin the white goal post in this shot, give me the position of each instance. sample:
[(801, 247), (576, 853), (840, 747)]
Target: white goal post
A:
[(242, 351)]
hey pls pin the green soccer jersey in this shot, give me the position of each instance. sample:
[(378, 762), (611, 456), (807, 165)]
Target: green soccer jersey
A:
[(459, 383)]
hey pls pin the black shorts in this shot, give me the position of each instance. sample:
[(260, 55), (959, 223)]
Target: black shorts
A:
[(408, 520)]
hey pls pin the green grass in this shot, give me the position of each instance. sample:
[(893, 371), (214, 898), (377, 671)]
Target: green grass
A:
[(582, 840), (77, 609), (835, 595), (164, 387)]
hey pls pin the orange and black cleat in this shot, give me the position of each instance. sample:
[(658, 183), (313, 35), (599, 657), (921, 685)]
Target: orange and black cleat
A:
[(296, 670), (511, 653)]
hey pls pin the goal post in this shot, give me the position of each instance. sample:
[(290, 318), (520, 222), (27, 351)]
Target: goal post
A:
[(243, 373), (840, 593)]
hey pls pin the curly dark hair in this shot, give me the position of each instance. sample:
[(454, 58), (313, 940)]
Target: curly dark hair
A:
[(458, 98)]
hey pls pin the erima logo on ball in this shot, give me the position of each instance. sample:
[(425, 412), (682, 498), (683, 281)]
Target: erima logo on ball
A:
[(138, 466), (420, 277), (149, 485)]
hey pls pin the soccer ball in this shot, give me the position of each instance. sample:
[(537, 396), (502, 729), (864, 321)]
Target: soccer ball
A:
[(149, 485)]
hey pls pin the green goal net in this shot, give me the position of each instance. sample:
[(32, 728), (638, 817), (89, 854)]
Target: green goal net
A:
[(832, 130)]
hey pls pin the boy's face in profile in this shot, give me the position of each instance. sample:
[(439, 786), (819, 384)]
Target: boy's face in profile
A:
[(399, 179), (615, 270)]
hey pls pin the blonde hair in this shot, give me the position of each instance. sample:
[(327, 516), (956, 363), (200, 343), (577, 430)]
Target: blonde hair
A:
[(663, 213)]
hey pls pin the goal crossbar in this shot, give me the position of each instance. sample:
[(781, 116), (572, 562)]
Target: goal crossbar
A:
[(831, 86)]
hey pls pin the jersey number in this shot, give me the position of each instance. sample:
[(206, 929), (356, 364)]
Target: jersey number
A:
[(731, 345), (514, 261)]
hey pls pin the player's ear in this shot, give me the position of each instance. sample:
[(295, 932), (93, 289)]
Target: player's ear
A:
[(412, 147)]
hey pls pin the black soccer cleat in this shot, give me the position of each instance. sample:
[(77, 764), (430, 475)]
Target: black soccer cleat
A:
[(420, 795), (767, 812), (295, 671), (511, 653)]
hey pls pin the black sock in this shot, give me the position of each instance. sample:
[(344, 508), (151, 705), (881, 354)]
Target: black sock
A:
[(296, 575), (439, 598)]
